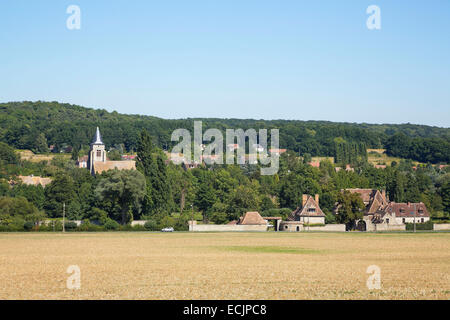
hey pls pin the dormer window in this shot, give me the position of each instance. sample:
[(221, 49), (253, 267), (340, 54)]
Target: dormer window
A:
[(311, 209)]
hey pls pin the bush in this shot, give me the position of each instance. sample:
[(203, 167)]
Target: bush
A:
[(219, 217), (28, 226), (88, 226), (111, 225), (420, 226), (314, 225), (151, 225), (70, 226)]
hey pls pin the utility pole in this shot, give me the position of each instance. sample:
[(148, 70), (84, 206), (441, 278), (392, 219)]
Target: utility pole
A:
[(64, 217), (192, 217)]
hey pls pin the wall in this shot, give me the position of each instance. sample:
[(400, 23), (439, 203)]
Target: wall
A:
[(441, 226), (138, 222), (291, 226), (226, 228), (312, 220)]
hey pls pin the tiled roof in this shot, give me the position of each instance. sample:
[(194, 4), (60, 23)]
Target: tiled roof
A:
[(408, 209), (252, 218), (306, 210), (32, 180)]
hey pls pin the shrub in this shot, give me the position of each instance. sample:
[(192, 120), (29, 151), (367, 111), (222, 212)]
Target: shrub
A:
[(111, 225), (138, 227), (28, 226), (420, 226), (219, 217), (70, 226), (151, 225)]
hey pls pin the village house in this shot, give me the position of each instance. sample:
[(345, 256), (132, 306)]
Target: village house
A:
[(410, 212), (97, 161), (309, 213), (35, 180), (381, 214)]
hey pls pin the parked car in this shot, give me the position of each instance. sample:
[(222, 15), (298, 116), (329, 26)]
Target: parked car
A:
[(167, 229)]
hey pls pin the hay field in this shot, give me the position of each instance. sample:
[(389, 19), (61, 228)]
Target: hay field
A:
[(224, 265)]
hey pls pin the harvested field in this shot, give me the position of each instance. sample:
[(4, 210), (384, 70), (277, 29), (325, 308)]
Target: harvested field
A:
[(224, 265)]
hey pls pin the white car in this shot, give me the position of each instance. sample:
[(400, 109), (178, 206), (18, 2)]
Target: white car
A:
[(167, 229)]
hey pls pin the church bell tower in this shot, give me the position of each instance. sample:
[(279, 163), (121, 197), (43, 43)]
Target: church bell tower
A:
[(97, 152)]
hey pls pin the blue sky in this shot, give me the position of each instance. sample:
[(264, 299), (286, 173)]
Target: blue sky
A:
[(306, 60)]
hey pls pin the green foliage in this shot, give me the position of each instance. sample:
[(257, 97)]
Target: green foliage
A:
[(350, 208), (420, 226), (151, 225), (111, 225), (7, 154), (122, 191), (70, 226), (28, 226)]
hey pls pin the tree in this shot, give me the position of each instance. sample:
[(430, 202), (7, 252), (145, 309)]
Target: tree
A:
[(7, 154), (205, 199), (350, 208), (158, 194), (61, 190), (124, 189), (445, 194)]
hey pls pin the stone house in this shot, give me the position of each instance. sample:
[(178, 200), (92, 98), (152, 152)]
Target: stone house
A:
[(377, 213), (307, 214)]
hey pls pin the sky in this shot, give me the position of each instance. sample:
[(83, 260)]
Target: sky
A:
[(279, 59)]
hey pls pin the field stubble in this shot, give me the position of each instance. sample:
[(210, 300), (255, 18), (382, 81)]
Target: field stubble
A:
[(224, 265)]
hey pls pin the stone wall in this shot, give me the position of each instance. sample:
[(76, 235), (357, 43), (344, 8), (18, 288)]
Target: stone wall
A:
[(441, 226), (226, 227), (296, 226), (138, 222)]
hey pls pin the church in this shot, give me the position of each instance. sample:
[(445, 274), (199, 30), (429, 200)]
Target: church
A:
[(97, 160)]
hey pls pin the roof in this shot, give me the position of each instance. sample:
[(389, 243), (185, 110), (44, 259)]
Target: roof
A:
[(273, 150), (83, 158), (100, 166), (304, 211), (97, 137), (252, 217), (374, 200), (315, 164), (408, 209), (35, 181)]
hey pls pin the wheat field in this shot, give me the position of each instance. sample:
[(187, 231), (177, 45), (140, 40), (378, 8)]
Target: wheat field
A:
[(224, 265)]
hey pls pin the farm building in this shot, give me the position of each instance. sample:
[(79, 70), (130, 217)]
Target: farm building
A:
[(308, 213)]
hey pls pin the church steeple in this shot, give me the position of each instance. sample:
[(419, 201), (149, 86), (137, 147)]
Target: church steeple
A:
[(97, 138), (97, 152)]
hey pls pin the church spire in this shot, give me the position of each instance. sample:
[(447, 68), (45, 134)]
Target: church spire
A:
[(97, 138)]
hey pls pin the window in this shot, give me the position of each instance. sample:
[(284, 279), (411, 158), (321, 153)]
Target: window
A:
[(402, 210), (99, 153), (298, 228), (422, 220), (420, 211), (387, 221), (403, 220), (311, 209)]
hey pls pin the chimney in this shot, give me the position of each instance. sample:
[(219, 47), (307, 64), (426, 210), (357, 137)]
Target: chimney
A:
[(409, 204), (304, 198), (317, 199)]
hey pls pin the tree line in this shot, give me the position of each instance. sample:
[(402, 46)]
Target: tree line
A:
[(37, 125), (165, 194)]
